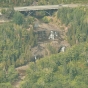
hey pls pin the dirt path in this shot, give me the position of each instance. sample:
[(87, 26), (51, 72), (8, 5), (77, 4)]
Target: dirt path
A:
[(21, 71)]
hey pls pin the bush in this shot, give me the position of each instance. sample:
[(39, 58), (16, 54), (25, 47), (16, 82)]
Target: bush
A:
[(18, 18), (45, 19), (5, 85), (3, 11)]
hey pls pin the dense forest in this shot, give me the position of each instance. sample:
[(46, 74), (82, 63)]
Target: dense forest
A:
[(6, 3), (68, 69), (62, 70), (77, 22), (15, 44)]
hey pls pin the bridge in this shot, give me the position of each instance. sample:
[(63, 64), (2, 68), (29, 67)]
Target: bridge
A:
[(45, 7)]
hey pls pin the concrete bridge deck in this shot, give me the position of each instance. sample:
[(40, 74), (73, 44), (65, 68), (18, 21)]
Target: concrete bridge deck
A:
[(45, 7)]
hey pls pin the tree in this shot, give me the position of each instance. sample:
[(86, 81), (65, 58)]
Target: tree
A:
[(65, 69), (45, 19), (5, 85), (2, 76), (12, 74), (3, 11), (18, 18)]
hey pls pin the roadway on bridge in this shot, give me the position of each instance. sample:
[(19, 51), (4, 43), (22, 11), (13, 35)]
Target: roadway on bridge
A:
[(46, 7)]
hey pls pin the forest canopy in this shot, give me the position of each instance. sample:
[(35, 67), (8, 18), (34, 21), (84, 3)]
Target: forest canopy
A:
[(7, 3), (77, 23), (63, 70)]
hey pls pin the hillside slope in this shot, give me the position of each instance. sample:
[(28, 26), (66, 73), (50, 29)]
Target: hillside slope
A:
[(63, 70)]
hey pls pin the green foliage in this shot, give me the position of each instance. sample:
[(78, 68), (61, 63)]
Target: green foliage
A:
[(10, 12), (40, 14), (18, 18), (12, 74), (51, 49), (7, 77), (5, 85), (40, 2), (2, 76), (65, 69), (30, 19), (3, 11), (47, 72), (45, 19), (15, 51), (14, 45), (33, 38), (77, 26)]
